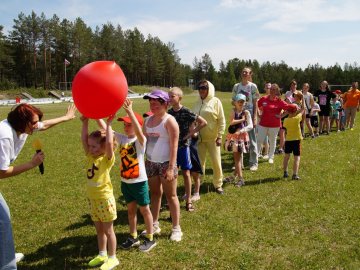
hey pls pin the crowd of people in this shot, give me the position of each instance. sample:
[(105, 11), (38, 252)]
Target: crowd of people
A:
[(173, 137)]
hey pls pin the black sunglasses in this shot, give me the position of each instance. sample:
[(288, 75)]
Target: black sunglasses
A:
[(203, 87)]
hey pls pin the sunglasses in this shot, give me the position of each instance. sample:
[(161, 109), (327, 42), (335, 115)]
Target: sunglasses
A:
[(203, 87)]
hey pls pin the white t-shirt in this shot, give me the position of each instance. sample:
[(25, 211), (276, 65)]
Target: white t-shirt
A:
[(316, 106), (307, 99), (11, 144), (132, 166), (251, 92)]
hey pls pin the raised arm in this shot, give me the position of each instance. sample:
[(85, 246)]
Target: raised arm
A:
[(70, 114), (109, 144), (85, 133), (137, 128)]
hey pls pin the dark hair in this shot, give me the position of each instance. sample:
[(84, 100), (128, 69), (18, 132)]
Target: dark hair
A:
[(203, 82), (293, 82), (22, 115)]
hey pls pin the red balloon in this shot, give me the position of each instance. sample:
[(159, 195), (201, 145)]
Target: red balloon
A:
[(99, 89)]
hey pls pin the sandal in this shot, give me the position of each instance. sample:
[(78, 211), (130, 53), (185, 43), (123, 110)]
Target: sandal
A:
[(229, 179), (190, 207)]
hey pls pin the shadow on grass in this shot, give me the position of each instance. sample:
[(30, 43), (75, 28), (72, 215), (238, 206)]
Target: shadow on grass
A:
[(122, 219), (68, 253), (262, 181)]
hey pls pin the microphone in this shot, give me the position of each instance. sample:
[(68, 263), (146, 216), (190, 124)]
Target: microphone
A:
[(37, 145)]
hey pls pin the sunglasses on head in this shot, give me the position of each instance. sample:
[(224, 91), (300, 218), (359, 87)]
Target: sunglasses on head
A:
[(203, 87)]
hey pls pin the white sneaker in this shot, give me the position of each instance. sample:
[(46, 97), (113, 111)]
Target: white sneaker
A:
[(253, 168), (19, 257), (176, 235), (156, 231), (271, 160), (195, 197), (266, 157)]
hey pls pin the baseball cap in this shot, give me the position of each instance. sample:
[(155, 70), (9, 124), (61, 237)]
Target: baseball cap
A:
[(338, 92), (158, 94), (291, 108), (127, 119), (238, 97)]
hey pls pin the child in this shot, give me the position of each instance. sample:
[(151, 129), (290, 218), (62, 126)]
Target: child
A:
[(134, 181), (184, 117), (99, 150), (196, 169), (335, 115), (314, 118), (237, 140), (292, 139), (300, 103)]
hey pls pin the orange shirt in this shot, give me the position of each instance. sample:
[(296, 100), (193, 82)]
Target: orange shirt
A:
[(352, 98)]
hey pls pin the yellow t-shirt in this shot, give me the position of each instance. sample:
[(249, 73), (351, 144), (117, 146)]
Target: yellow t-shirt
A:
[(292, 125), (98, 174)]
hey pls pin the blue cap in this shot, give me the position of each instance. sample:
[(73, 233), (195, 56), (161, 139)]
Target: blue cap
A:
[(238, 97)]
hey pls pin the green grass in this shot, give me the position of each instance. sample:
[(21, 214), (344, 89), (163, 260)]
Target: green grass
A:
[(270, 223)]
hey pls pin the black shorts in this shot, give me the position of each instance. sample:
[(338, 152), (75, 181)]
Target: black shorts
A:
[(314, 121), (293, 147), (325, 111)]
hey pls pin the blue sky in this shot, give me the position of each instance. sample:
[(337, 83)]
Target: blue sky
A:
[(298, 32)]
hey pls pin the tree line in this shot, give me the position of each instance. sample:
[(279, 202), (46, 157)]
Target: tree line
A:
[(32, 55)]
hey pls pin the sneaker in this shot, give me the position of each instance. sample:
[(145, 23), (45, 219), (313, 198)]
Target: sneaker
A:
[(271, 160), (147, 245), (266, 157), (111, 263), (253, 168), (176, 235), (195, 197), (280, 151), (156, 231), (19, 257), (130, 242), (312, 136), (98, 260), (260, 156), (295, 177), (219, 191), (286, 175), (240, 183)]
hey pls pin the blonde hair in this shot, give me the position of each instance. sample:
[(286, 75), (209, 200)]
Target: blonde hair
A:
[(100, 137), (177, 91)]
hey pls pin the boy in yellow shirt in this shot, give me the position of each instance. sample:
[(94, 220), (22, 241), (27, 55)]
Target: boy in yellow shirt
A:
[(292, 139)]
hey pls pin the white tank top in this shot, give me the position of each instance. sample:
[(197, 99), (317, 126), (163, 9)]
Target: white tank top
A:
[(157, 147)]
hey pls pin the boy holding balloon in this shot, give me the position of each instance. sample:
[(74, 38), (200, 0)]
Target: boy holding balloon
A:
[(134, 181)]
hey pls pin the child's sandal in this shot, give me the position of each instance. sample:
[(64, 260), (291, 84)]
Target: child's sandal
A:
[(190, 207)]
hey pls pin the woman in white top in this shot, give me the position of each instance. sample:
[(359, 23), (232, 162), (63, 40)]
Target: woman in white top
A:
[(309, 103), (22, 121), (162, 133)]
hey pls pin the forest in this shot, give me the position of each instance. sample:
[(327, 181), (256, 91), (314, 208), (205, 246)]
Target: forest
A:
[(41, 52)]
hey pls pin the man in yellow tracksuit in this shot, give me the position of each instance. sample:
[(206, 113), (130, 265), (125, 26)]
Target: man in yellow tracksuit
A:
[(210, 137)]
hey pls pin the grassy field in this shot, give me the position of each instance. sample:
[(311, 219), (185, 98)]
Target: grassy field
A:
[(270, 223)]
